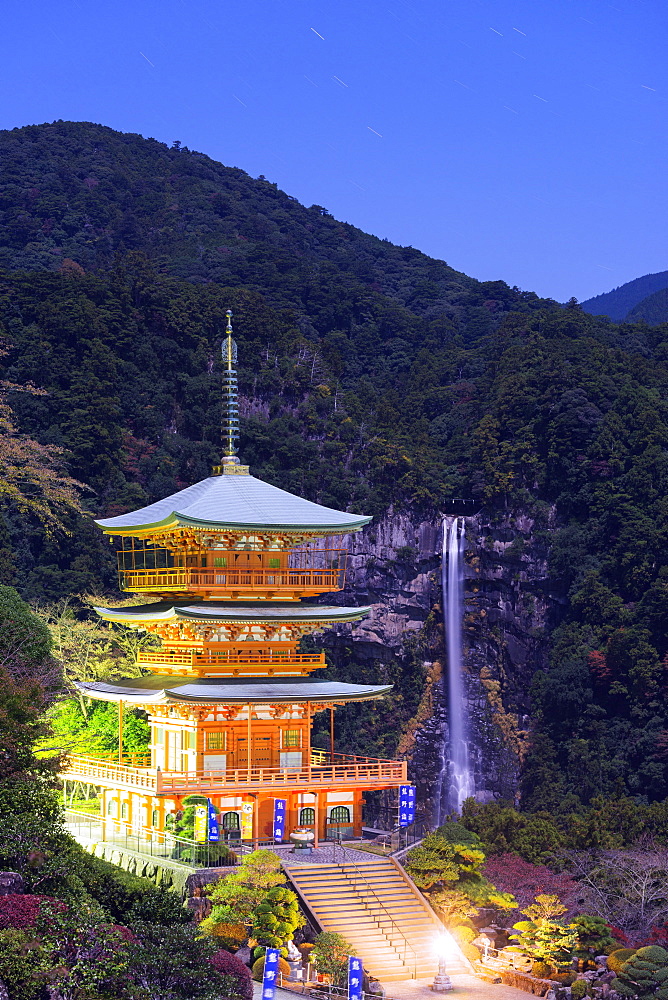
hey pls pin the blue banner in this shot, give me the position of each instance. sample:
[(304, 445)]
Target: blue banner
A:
[(279, 818), (406, 805), (355, 978), (270, 977), (214, 833)]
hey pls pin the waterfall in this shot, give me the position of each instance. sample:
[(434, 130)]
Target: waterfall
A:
[(455, 780)]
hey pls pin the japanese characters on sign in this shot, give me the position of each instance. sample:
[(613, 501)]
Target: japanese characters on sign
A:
[(214, 833), (355, 978), (246, 820), (279, 818), (406, 805), (270, 977), (201, 824)]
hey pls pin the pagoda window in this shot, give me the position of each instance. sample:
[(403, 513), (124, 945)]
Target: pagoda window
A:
[(307, 816), (155, 818), (291, 738), (216, 741), (339, 814), (220, 561), (112, 808), (230, 822), (124, 810)]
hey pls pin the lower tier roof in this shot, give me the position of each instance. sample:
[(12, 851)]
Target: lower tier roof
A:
[(231, 612), (228, 691)]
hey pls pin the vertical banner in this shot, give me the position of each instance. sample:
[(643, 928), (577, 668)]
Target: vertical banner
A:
[(214, 833), (270, 977), (246, 820), (279, 818), (201, 830), (406, 805), (355, 978)]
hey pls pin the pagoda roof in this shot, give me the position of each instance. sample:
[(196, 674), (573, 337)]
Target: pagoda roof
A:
[(232, 612), (228, 691), (235, 503)]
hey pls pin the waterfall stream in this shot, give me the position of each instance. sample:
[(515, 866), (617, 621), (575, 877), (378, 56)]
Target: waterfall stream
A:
[(455, 779)]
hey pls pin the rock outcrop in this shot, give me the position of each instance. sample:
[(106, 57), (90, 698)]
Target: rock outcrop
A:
[(394, 565)]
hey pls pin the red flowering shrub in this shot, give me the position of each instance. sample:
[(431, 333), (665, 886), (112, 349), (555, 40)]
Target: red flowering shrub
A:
[(525, 881), (229, 965), (21, 911)]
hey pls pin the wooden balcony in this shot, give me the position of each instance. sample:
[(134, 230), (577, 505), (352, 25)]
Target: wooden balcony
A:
[(225, 658), (325, 772), (234, 574)]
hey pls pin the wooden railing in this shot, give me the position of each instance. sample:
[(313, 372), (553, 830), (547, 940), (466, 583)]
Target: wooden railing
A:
[(246, 580), (212, 656), (339, 769)]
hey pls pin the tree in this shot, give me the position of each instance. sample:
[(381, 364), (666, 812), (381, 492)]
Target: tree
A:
[(626, 888), (593, 936), (644, 974), (236, 896), (542, 936), (33, 480), (330, 953)]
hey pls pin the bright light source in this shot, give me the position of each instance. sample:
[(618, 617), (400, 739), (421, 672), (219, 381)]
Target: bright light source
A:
[(445, 947)]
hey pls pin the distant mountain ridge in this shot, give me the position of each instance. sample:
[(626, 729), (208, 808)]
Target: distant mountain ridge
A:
[(621, 301), (85, 192)]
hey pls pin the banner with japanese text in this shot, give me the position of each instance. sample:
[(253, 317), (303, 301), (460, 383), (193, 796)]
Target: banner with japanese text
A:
[(406, 805), (214, 833), (279, 818), (270, 977), (246, 820), (201, 828), (355, 978)]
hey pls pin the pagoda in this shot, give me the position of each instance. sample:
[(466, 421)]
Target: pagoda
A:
[(229, 565)]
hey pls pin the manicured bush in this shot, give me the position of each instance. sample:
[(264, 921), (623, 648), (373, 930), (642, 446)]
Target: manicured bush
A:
[(20, 962), (258, 968), (617, 958), (230, 965), (579, 989), (471, 952), (543, 970), (20, 911), (644, 974)]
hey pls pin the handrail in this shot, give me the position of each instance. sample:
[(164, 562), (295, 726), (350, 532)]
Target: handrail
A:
[(346, 770), (407, 944), (216, 657), (248, 578)]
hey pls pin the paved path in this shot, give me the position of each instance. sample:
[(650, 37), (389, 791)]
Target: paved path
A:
[(326, 854), (465, 988)]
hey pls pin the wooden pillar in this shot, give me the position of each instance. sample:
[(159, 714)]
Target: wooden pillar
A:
[(316, 804), (120, 732), (255, 822), (248, 739), (331, 734), (308, 739)]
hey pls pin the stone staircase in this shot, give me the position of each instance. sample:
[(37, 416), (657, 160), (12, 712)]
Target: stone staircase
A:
[(376, 907)]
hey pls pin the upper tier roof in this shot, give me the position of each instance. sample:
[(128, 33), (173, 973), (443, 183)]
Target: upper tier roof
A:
[(236, 502)]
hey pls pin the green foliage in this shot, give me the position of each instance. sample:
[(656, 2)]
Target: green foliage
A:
[(22, 964), (542, 936), (433, 863), (579, 989), (237, 895), (276, 918), (617, 958), (593, 936), (330, 953), (644, 974), (258, 968)]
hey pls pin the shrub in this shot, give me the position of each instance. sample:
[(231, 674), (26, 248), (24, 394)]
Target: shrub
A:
[(579, 989), (330, 954), (20, 962), (464, 934), (258, 968), (471, 952), (230, 965), (617, 958), (542, 970), (19, 911), (644, 974)]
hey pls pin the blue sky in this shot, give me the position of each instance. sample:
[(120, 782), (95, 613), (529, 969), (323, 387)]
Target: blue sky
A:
[(515, 139)]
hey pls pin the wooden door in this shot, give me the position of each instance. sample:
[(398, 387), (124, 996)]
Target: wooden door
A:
[(261, 755)]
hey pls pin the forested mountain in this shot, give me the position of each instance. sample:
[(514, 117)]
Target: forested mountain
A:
[(372, 378), (621, 302), (653, 309)]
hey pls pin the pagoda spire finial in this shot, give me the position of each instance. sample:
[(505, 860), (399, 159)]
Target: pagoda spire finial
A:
[(229, 462)]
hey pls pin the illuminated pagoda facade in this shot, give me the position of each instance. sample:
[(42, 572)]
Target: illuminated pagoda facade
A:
[(229, 696)]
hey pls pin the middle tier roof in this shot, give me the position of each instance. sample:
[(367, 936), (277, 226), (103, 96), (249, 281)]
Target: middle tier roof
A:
[(230, 612)]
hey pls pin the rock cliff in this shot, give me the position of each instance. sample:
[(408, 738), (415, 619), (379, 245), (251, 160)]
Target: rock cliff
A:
[(509, 605)]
